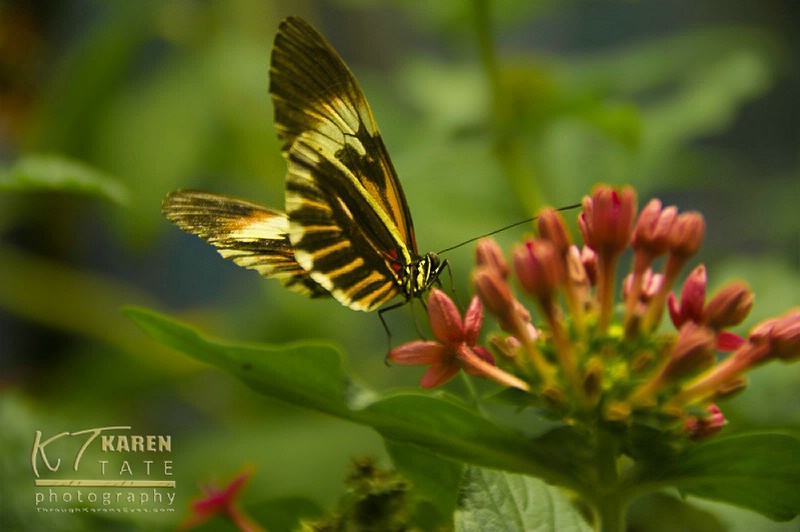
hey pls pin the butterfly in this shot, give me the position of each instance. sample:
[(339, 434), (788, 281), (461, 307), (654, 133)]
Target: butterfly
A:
[(347, 229)]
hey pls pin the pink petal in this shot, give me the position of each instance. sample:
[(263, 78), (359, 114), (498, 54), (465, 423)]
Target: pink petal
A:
[(728, 341), (444, 318), (473, 319), (216, 499), (484, 354), (473, 360), (674, 310), (475, 368), (693, 295), (418, 352), (438, 374)]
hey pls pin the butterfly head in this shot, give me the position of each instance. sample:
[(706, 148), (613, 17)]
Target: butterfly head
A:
[(422, 274)]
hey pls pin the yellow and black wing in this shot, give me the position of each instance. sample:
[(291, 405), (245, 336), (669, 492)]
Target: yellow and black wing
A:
[(347, 230), (247, 233), (349, 223)]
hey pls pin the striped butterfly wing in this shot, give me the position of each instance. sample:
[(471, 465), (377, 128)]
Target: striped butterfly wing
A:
[(251, 235), (349, 223)]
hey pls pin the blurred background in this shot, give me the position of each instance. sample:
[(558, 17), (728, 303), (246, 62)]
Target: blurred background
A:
[(490, 110)]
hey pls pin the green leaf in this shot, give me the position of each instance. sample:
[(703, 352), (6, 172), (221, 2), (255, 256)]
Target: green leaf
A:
[(38, 172), (756, 471), (493, 500), (659, 512), (305, 374), (314, 376)]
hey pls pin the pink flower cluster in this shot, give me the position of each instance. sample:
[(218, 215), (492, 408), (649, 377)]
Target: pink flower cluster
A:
[(593, 354)]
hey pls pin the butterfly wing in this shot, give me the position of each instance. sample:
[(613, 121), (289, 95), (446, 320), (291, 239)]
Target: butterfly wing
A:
[(349, 222), (250, 235)]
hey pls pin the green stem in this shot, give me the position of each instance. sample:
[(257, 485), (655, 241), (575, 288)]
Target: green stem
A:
[(610, 503), (611, 514), (506, 142), (483, 30), (472, 393), (607, 265)]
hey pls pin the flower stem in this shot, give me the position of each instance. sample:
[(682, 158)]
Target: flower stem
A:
[(609, 502), (506, 144), (472, 393), (605, 289), (564, 352), (610, 513), (486, 43), (656, 306)]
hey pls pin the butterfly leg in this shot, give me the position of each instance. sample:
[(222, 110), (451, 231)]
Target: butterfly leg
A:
[(446, 264), (414, 315), (386, 327)]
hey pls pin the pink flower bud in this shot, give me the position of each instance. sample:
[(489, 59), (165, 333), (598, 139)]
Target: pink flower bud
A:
[(781, 333), (686, 234), (729, 306), (650, 285), (539, 268), (701, 428), (693, 298), (693, 351), (607, 219), (553, 229), (652, 230), (493, 290), (489, 254), (787, 336)]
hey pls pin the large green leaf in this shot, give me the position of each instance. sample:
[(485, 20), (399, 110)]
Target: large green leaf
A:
[(494, 500), (37, 172), (304, 374), (756, 471), (760, 471), (314, 376)]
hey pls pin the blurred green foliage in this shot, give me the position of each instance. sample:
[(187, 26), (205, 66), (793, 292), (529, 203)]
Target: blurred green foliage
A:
[(693, 102)]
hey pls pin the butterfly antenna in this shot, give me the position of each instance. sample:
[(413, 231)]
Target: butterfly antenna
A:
[(504, 228)]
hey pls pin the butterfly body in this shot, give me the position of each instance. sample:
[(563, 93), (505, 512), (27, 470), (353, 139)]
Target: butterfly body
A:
[(347, 229)]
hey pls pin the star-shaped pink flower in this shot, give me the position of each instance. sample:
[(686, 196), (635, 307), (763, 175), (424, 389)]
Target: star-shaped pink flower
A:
[(729, 307), (222, 502), (456, 347)]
